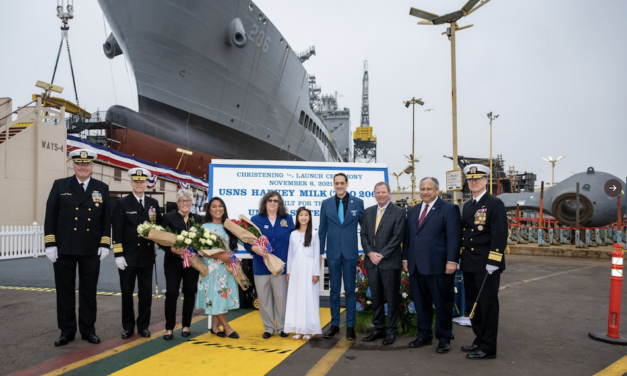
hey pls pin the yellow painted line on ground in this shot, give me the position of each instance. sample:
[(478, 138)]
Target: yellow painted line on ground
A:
[(115, 350), (103, 293), (550, 275), (209, 354), (325, 364), (616, 369)]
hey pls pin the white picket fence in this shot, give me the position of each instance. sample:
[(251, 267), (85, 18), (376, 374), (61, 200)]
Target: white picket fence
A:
[(21, 241)]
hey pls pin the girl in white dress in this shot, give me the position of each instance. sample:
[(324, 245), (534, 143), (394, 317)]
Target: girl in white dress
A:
[(302, 315)]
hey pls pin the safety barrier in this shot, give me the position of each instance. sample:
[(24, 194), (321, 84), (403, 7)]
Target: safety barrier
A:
[(526, 230), (21, 241)]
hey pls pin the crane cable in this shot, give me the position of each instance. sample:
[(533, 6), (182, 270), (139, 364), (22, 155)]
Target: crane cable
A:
[(64, 30)]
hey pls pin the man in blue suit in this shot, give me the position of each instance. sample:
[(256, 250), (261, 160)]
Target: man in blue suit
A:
[(431, 255), (339, 217)]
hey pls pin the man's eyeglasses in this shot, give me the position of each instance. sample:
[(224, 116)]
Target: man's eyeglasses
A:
[(273, 200), (185, 201)]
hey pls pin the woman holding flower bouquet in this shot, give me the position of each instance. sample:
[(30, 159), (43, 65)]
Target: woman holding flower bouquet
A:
[(276, 224), (178, 222), (217, 291)]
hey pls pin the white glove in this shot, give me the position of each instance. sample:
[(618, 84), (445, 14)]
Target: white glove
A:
[(103, 252), (52, 254), (491, 268), (121, 262)]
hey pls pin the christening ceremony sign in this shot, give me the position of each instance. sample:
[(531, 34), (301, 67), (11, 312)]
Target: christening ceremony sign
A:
[(241, 183)]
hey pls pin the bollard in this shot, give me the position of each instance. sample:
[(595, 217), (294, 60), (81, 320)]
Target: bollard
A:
[(613, 326)]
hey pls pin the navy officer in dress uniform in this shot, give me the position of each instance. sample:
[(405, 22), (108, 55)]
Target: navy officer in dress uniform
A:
[(134, 255), (484, 239), (77, 232)]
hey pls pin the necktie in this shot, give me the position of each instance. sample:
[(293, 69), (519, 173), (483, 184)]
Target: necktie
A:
[(83, 186), (474, 202), (340, 212), (141, 202), (376, 225), (423, 215)]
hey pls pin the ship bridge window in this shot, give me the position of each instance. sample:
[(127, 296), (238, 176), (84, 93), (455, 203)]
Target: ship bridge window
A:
[(310, 125), (301, 119), (306, 121)]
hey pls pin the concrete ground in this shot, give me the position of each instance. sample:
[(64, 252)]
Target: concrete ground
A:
[(548, 307)]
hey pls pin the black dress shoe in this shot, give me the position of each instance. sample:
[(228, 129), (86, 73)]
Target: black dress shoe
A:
[(185, 334), (127, 334), (219, 334), (92, 338), (332, 332), (478, 354), (145, 333), (389, 339), (283, 334), (63, 340), (470, 348), (266, 335), (234, 335), (167, 337), (374, 336), (350, 334), (443, 347), (419, 342)]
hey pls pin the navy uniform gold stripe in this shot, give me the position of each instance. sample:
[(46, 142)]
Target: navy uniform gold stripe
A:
[(495, 256)]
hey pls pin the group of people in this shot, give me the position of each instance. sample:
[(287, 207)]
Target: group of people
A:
[(430, 242), (78, 225)]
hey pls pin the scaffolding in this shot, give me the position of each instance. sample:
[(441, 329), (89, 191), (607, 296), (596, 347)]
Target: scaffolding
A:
[(502, 182)]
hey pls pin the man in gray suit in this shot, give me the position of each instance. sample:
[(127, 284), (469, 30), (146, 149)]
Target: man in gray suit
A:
[(381, 237)]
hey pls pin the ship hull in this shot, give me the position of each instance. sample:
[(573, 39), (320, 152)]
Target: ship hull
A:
[(201, 93)]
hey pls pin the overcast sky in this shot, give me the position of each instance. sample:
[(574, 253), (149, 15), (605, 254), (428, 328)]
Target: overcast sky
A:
[(555, 71)]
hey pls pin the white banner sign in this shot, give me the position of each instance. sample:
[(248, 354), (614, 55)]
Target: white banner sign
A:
[(242, 184)]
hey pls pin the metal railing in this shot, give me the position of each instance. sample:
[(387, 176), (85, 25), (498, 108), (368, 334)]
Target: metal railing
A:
[(528, 230)]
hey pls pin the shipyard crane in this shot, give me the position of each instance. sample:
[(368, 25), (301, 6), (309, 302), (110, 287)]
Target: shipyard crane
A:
[(364, 142)]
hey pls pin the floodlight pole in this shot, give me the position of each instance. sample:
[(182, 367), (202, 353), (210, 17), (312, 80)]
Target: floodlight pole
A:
[(454, 98), (413, 153), (491, 117), (491, 156)]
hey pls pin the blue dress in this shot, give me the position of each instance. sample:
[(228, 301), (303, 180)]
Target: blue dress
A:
[(217, 291)]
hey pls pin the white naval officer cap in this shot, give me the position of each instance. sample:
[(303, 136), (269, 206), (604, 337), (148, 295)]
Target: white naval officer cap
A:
[(476, 171), (139, 174), (83, 156)]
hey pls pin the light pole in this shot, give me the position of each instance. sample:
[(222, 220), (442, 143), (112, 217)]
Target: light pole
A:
[(492, 118), (553, 162), (413, 101), (398, 189), (451, 19)]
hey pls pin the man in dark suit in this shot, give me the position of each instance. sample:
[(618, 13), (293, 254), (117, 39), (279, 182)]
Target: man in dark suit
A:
[(77, 232), (134, 255), (484, 239), (381, 236), (339, 217), (430, 256)]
